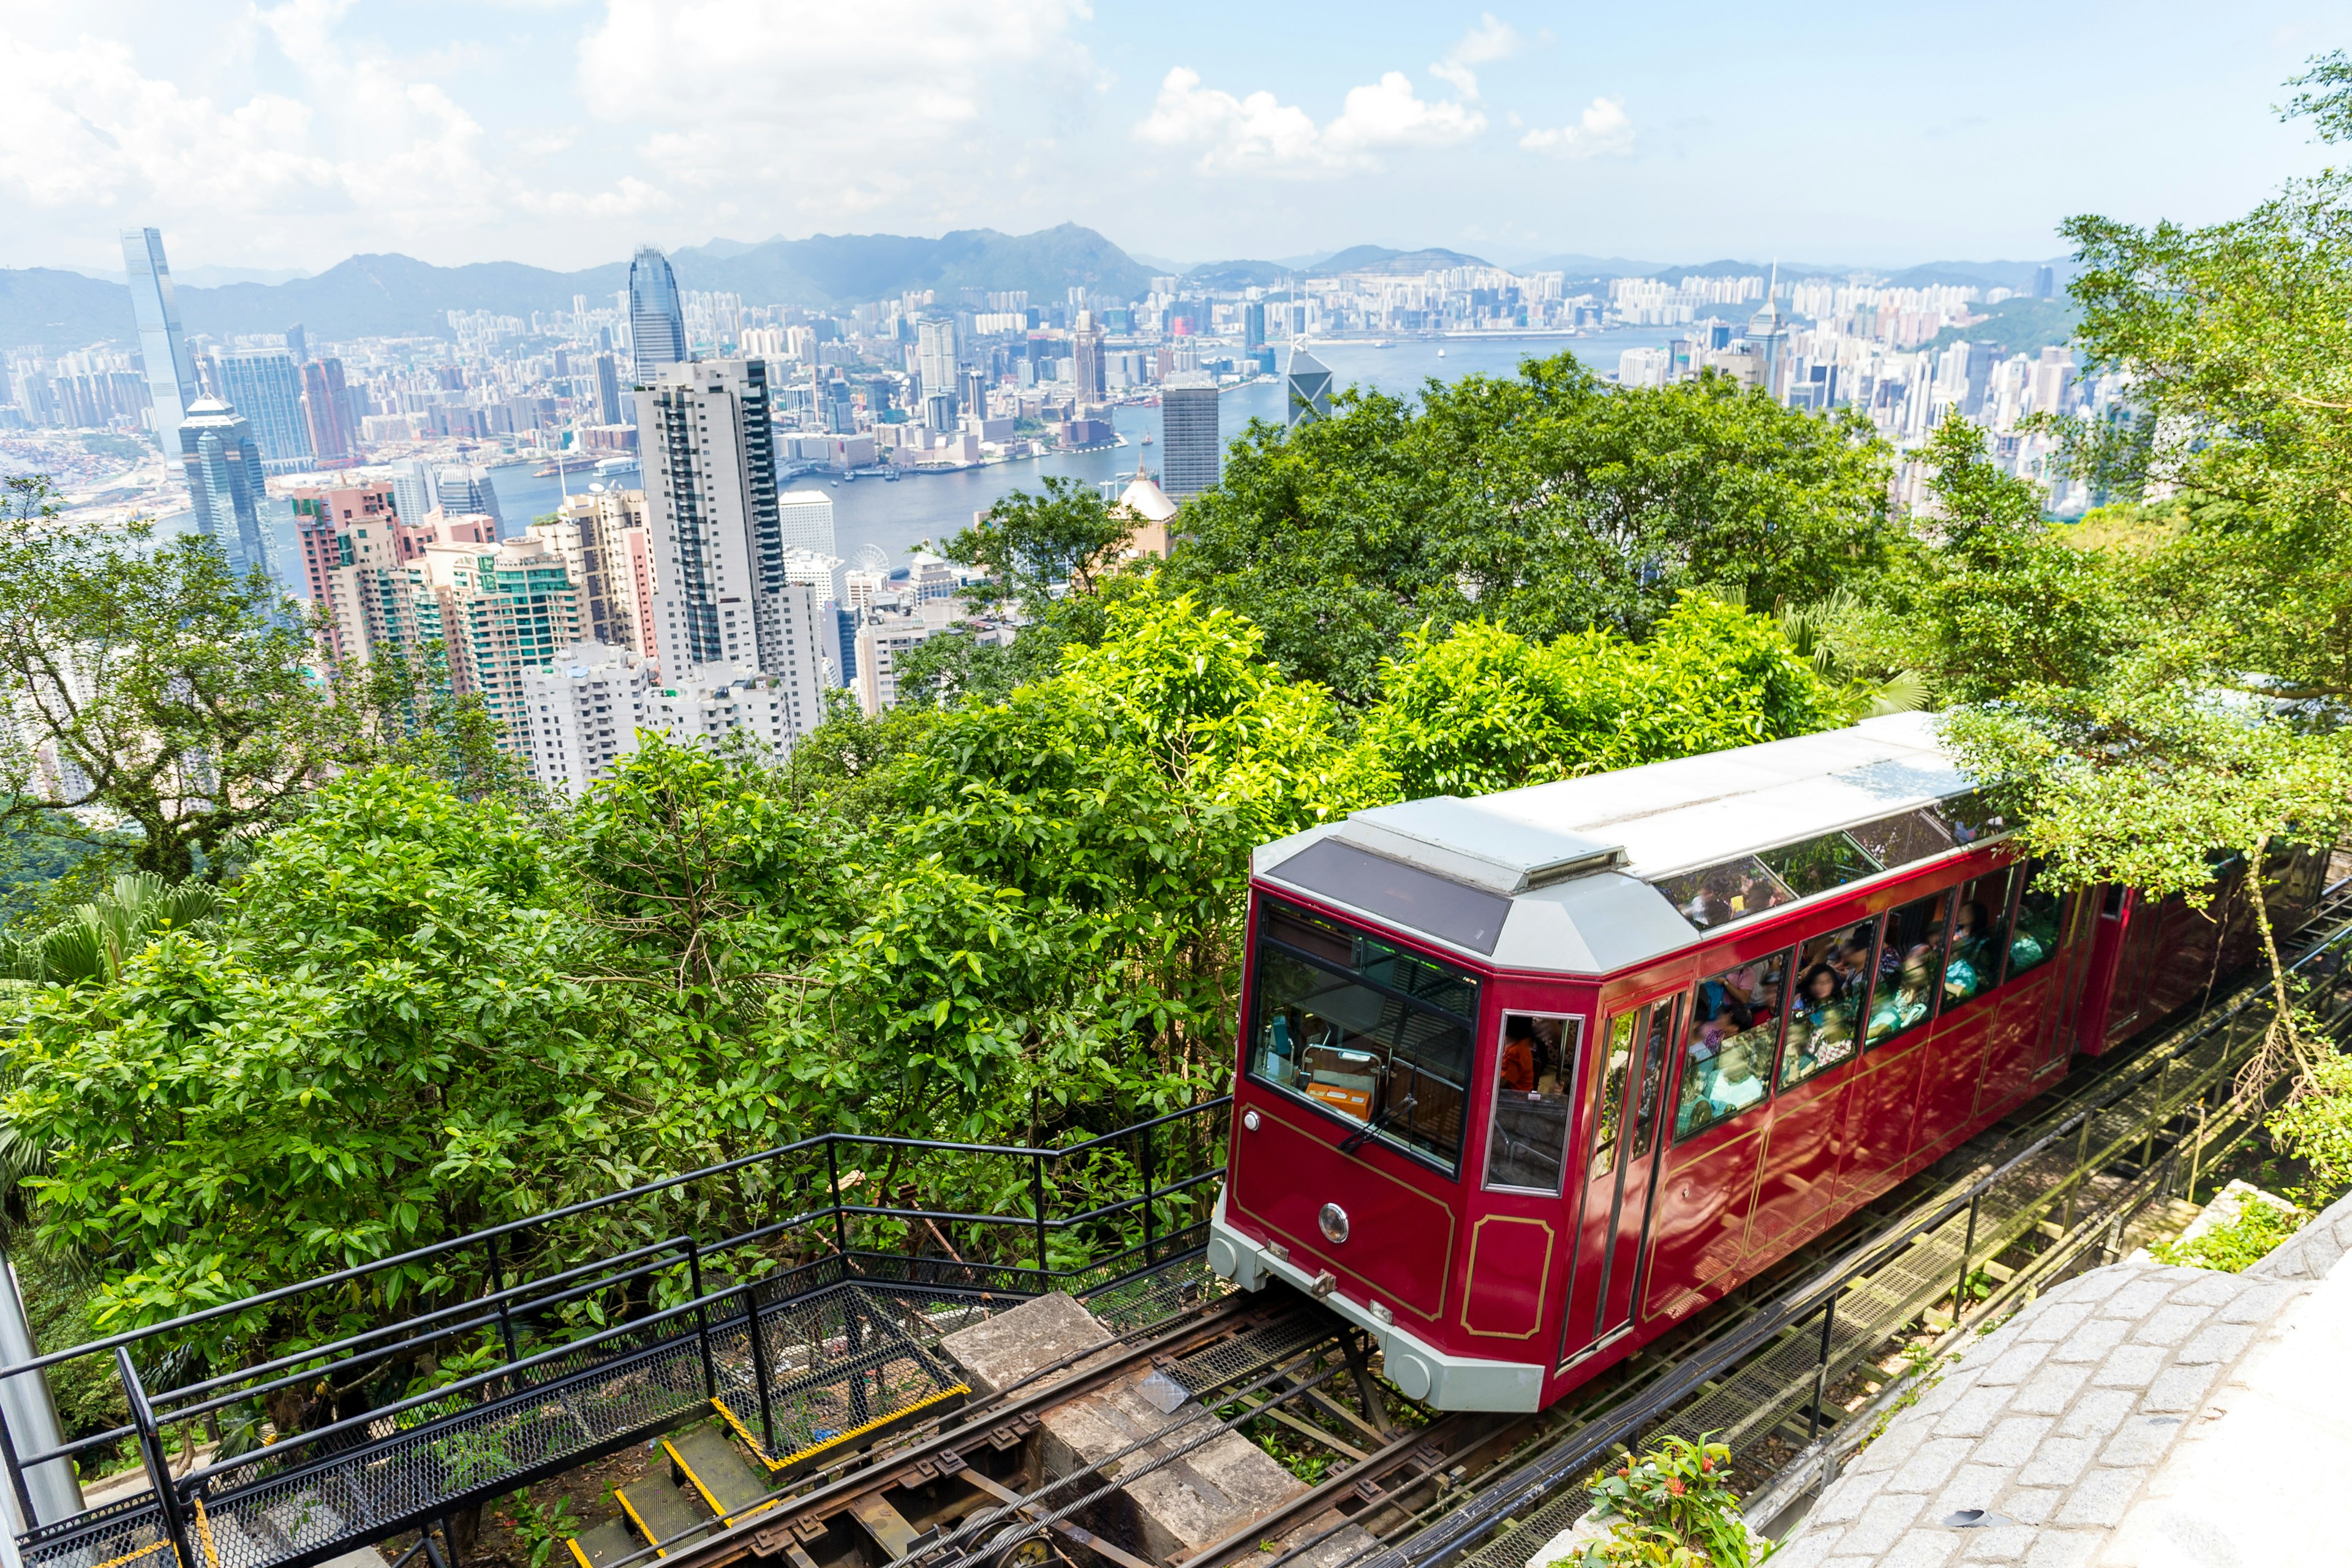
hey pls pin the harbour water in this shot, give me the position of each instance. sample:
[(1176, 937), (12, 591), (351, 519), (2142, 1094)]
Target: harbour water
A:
[(898, 517)]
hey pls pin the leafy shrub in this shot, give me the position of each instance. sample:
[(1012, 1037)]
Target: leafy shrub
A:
[(1670, 1508), (2235, 1247)]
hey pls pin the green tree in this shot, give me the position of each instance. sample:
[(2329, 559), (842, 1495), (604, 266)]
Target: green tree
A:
[(2237, 338), (169, 690), (1546, 500), (1484, 708)]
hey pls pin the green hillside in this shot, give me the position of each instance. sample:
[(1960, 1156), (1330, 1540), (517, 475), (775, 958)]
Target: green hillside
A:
[(2019, 326)]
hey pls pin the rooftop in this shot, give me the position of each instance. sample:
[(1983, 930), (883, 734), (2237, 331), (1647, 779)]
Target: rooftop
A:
[(1589, 875)]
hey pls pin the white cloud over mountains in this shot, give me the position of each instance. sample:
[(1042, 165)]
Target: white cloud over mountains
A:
[(1604, 130), (1259, 134)]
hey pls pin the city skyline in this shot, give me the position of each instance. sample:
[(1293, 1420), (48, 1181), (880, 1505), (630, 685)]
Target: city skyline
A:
[(284, 138)]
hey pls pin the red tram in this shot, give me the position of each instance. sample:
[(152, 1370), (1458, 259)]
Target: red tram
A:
[(1525, 1079)]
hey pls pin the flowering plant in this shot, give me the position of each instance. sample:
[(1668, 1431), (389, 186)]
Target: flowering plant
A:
[(1672, 1508)]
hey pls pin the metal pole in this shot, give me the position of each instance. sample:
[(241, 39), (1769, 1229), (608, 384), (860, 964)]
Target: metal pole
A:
[(2074, 1180), (151, 1450), (1968, 1245), (49, 1492), (702, 1317), (760, 1365), (1151, 1252), (497, 1289), (1822, 1371), (840, 1222), (1037, 1195)]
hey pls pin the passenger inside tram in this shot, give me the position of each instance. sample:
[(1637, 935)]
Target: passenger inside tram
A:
[(1973, 965), (2036, 936), (1529, 1146), (1905, 1007), (1739, 1015), (1820, 1026)]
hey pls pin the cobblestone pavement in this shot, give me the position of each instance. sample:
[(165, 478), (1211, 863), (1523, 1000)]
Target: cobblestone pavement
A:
[(2036, 1442)]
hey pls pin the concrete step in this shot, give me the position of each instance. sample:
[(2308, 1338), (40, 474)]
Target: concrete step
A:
[(661, 1509), (607, 1544), (731, 1485)]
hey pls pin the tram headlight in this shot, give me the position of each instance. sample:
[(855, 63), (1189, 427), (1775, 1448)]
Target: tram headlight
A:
[(1333, 1223)]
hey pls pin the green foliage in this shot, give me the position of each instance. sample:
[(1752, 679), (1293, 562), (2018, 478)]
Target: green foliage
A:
[(1035, 547), (1671, 1506), (2317, 1126), (1484, 710), (1546, 501), (540, 1528), (177, 692), (90, 946), (2235, 1247)]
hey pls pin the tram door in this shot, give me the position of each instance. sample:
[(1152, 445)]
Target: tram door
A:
[(1620, 1171)]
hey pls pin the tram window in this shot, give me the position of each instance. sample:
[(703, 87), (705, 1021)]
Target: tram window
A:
[(1979, 919), (1369, 1032), (1832, 993), (2035, 936), (1734, 1029), (1624, 1035), (1663, 1014), (1905, 837), (1969, 817), (1526, 1147), (1820, 864), (1904, 994), (1718, 895)]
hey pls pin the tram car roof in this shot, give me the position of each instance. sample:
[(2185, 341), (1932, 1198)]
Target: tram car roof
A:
[(1594, 875)]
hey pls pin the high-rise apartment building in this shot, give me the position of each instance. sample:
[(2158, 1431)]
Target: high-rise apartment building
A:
[(1189, 450), (707, 447), (266, 386), (225, 481), (363, 564), (608, 391), (657, 316), (163, 345), (1307, 381), (506, 610), (590, 535), (327, 414), (582, 713), (935, 363)]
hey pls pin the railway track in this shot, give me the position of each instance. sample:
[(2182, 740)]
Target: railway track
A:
[(2050, 1191)]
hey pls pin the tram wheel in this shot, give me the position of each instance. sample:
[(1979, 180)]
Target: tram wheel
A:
[(1022, 1546)]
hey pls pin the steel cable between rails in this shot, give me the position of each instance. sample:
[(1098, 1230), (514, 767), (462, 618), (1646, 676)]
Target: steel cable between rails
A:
[(988, 1520)]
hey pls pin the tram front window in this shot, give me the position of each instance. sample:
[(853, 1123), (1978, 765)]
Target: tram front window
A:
[(1528, 1145), (1369, 1032)]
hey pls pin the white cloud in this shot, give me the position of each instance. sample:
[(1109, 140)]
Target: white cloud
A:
[(1603, 130), (813, 96), (1492, 40), (1261, 135)]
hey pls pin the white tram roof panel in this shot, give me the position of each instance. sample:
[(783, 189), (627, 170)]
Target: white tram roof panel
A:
[(1558, 876)]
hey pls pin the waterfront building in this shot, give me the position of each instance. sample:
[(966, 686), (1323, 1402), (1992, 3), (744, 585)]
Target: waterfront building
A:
[(590, 534), (226, 482), (806, 518), (266, 386), (1189, 450), (935, 365), (327, 416), (466, 486), (163, 345), (1309, 384), (608, 391), (657, 316)]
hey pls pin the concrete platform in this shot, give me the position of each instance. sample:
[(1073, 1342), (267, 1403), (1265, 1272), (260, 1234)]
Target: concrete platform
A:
[(2137, 1417), (1172, 1511)]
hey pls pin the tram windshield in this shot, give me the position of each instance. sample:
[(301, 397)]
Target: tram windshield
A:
[(1369, 1032)]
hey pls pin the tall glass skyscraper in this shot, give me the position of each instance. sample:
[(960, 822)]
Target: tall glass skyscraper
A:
[(224, 478), (266, 386), (1309, 385), (1190, 451), (657, 317), (163, 345)]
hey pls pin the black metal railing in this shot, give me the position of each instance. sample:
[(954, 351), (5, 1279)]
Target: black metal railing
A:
[(811, 1315)]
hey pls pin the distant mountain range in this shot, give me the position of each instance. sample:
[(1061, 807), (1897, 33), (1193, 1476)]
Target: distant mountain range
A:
[(369, 296), (395, 295)]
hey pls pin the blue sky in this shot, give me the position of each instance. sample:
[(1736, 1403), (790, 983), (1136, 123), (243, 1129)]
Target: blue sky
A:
[(291, 135)]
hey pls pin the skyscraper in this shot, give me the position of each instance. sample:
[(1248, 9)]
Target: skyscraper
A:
[(1309, 385), (935, 363), (1087, 358), (608, 391), (657, 319), (1188, 428), (163, 346), (1253, 325), (413, 493), (807, 521), (327, 414), (705, 437), (464, 488), (266, 386), (2045, 282), (225, 479)]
